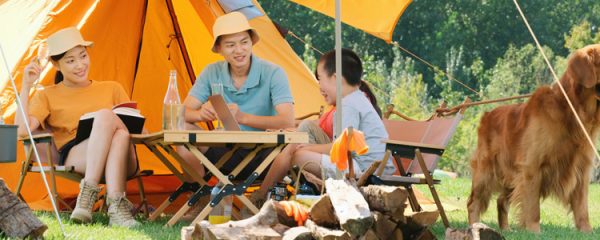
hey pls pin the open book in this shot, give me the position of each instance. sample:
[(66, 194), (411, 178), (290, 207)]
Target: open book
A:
[(128, 113)]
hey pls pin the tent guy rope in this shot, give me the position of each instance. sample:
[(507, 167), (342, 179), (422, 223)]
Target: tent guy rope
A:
[(436, 69)]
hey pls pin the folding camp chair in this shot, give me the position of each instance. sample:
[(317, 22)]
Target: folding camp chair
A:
[(416, 147), (49, 154)]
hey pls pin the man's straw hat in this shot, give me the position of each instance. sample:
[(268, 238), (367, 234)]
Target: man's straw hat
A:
[(233, 22), (65, 39)]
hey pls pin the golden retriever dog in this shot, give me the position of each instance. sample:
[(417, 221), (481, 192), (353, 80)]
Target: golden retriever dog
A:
[(537, 149)]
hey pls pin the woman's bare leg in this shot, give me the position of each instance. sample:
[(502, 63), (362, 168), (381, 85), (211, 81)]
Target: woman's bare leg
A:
[(118, 164), (110, 141), (76, 157), (103, 130)]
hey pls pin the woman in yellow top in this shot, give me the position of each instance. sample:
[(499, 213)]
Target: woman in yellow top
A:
[(106, 153)]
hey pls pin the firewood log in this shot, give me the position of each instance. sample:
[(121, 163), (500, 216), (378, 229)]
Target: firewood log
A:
[(322, 233), (417, 223), (397, 234), (423, 218), (369, 235), (349, 206), (474, 232), (191, 233), (259, 225), (383, 226), (217, 232), (385, 199), (297, 233), (16, 219), (322, 213)]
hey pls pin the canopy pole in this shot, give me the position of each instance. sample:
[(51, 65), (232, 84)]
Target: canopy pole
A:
[(338, 73)]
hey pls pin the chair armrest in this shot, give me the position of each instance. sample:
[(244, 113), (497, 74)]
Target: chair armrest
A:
[(308, 115), (38, 138), (319, 113), (402, 147)]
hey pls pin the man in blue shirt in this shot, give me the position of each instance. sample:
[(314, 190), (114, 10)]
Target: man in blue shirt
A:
[(257, 91)]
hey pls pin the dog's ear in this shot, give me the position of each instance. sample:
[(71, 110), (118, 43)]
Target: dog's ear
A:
[(582, 66)]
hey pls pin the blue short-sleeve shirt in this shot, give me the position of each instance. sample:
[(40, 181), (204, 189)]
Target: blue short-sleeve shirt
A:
[(266, 86)]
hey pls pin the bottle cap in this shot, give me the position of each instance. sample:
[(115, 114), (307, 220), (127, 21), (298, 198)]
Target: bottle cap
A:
[(212, 181), (287, 180)]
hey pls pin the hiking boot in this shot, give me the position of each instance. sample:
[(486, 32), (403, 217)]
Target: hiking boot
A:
[(88, 195), (119, 212)]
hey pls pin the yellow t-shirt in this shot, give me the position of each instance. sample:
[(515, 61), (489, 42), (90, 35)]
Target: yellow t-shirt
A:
[(61, 107)]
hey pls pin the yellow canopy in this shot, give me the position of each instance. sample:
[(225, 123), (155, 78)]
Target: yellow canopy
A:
[(376, 17)]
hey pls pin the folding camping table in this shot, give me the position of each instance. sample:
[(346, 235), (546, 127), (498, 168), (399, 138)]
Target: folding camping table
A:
[(167, 140)]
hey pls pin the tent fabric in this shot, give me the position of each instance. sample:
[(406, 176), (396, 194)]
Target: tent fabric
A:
[(359, 14), (135, 44), (244, 6)]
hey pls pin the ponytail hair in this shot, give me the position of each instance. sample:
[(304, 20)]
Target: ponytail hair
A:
[(59, 76), (364, 87), (352, 71)]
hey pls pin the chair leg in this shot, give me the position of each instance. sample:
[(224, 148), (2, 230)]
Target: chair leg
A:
[(143, 201), (24, 170), (412, 199), (434, 194), (53, 178), (384, 162)]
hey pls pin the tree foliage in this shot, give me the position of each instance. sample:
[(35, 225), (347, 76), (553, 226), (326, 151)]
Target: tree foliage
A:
[(481, 43)]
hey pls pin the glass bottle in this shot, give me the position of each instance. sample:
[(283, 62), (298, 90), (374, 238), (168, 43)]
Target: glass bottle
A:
[(173, 110), (221, 212)]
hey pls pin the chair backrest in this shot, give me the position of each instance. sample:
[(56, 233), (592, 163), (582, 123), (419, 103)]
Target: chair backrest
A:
[(437, 131)]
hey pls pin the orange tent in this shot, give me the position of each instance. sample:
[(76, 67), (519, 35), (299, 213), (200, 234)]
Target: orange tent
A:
[(136, 43)]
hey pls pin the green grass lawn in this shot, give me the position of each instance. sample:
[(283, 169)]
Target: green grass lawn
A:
[(556, 222)]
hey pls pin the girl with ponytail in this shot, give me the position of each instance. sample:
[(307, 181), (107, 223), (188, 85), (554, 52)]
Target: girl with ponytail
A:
[(360, 111)]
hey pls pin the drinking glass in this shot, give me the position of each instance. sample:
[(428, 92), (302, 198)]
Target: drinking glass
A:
[(42, 61), (217, 89)]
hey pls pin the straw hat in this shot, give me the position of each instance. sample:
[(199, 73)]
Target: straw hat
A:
[(65, 39), (233, 22)]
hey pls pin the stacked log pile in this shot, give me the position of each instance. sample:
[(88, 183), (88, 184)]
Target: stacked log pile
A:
[(345, 212)]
